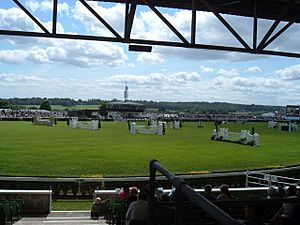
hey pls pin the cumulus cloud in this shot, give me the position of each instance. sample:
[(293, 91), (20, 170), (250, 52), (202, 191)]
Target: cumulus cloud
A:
[(289, 73), (149, 58), (44, 6), (78, 53), (205, 69), (228, 73), (253, 69)]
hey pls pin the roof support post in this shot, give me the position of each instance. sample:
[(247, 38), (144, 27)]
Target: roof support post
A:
[(255, 25), (193, 23), (54, 17), (129, 17)]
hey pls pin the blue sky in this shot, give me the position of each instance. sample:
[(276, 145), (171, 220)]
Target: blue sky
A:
[(33, 67)]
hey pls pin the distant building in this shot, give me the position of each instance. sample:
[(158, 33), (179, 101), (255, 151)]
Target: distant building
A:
[(119, 110), (84, 114)]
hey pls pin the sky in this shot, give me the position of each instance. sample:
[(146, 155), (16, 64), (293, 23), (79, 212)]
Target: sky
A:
[(39, 67)]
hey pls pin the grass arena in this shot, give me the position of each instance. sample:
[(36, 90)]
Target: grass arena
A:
[(28, 150)]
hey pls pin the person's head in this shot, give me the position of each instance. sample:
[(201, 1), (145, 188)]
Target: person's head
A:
[(164, 197), (134, 191), (208, 189), (272, 192), (126, 187), (224, 189), (98, 200), (291, 191)]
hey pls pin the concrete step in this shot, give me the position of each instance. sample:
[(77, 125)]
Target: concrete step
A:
[(62, 218)]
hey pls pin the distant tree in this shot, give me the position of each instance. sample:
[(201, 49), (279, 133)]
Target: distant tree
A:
[(103, 109), (45, 105), (3, 103), (253, 130)]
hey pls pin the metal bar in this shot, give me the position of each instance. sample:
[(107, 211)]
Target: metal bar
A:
[(166, 22), (126, 19), (278, 34), (151, 197), (226, 24), (112, 30), (215, 212), (179, 207), (31, 16), (146, 42), (255, 25), (129, 17), (193, 22), (275, 24), (54, 17)]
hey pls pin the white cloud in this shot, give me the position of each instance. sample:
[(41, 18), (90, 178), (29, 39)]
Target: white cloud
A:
[(228, 73), (44, 6), (253, 69), (149, 58), (205, 69), (78, 53), (289, 73)]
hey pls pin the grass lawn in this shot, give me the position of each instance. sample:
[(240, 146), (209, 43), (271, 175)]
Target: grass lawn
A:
[(70, 205), (31, 150)]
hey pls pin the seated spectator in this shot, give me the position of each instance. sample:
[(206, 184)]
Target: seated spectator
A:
[(164, 197), (138, 211), (96, 208), (286, 215), (133, 195), (254, 213), (124, 193), (207, 193), (225, 194)]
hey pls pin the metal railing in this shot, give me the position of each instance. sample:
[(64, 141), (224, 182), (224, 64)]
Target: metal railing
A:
[(267, 180), (183, 189)]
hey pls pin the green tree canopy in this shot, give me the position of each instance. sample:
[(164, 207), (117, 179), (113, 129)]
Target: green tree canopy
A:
[(45, 105)]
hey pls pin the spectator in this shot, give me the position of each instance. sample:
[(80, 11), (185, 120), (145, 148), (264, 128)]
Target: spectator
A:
[(124, 193), (254, 212), (286, 215), (225, 194), (207, 193), (133, 195), (138, 210), (96, 208)]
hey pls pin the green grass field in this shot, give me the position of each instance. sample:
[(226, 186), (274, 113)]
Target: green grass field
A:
[(31, 150)]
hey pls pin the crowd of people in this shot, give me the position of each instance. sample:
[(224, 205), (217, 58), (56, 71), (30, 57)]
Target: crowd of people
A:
[(136, 200), (30, 113)]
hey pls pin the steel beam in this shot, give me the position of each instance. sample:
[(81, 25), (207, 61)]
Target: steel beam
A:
[(193, 22), (31, 16), (275, 24), (100, 19), (129, 17), (54, 17), (151, 6), (226, 24)]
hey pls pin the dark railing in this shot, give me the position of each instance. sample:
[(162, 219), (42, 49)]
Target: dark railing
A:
[(183, 189)]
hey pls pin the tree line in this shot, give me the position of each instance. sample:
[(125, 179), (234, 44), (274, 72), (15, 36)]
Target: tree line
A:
[(176, 107)]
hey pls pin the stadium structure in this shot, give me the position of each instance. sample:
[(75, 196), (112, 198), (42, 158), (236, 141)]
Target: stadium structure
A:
[(117, 110)]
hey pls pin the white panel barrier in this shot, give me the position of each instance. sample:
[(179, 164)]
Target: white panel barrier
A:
[(89, 125), (134, 129), (244, 137), (44, 122)]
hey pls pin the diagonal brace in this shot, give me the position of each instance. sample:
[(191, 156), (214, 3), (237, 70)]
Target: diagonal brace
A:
[(31, 16), (147, 2), (100, 19), (262, 44), (226, 24)]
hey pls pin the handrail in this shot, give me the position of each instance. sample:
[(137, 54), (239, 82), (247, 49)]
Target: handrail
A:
[(184, 189)]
